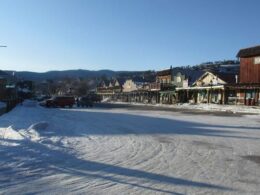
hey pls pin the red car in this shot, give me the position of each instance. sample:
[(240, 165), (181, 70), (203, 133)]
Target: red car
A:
[(60, 101)]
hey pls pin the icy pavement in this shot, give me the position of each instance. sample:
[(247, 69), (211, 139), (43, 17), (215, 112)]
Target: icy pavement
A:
[(121, 151)]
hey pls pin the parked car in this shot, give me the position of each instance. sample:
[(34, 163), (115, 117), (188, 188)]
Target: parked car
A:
[(85, 102), (60, 101), (42, 98), (95, 97)]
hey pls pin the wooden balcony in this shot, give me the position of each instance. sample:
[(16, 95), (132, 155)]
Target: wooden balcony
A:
[(161, 86)]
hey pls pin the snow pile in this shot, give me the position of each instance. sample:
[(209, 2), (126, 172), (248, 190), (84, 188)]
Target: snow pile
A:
[(10, 133), (8, 136), (32, 134), (106, 100)]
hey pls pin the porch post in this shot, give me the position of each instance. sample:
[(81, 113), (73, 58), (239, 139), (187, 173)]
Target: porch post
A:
[(187, 96), (224, 97), (208, 96)]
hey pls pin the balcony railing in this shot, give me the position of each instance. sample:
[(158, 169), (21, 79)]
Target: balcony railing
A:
[(161, 86), (109, 90)]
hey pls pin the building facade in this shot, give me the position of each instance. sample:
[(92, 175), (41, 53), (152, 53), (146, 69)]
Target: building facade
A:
[(208, 88), (247, 92)]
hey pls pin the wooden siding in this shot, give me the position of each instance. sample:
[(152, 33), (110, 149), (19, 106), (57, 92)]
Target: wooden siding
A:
[(2, 89), (249, 72), (164, 79)]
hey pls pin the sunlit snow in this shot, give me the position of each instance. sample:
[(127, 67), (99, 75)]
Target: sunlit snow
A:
[(124, 151)]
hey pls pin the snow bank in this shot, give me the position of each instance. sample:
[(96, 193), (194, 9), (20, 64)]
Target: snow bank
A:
[(9, 136), (206, 107), (224, 108), (31, 133), (10, 133)]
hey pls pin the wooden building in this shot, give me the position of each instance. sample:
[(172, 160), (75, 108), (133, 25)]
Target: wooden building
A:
[(208, 88), (133, 84), (184, 77), (165, 87), (174, 78), (3, 93), (134, 90), (7, 86), (247, 91), (8, 90), (249, 65), (25, 89), (104, 90), (164, 76), (116, 85)]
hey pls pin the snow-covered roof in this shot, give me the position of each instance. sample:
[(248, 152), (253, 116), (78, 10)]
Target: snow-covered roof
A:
[(249, 52)]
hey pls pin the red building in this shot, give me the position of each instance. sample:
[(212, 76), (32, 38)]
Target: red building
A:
[(248, 90), (249, 65)]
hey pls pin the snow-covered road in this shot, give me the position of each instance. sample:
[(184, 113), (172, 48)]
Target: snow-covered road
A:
[(122, 151)]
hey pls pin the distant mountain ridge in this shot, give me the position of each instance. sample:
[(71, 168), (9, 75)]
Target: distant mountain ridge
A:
[(55, 75), (222, 66)]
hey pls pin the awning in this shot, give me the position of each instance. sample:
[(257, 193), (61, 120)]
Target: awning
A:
[(201, 88), (167, 92)]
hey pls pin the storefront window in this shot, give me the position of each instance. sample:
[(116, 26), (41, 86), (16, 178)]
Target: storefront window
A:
[(250, 94)]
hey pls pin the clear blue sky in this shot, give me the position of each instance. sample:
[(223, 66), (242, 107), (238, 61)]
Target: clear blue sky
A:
[(46, 35)]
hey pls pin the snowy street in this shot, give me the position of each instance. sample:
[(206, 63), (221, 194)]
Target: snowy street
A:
[(127, 151)]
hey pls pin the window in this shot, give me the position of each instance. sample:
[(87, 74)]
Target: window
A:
[(257, 60)]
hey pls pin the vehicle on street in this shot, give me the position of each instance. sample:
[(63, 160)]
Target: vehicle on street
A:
[(95, 97), (60, 101), (42, 98), (85, 102)]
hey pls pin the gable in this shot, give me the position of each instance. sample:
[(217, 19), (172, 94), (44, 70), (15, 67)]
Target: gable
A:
[(129, 85), (209, 79), (117, 84)]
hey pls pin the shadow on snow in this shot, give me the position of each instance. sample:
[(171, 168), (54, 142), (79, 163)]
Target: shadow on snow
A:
[(40, 160), (36, 160)]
